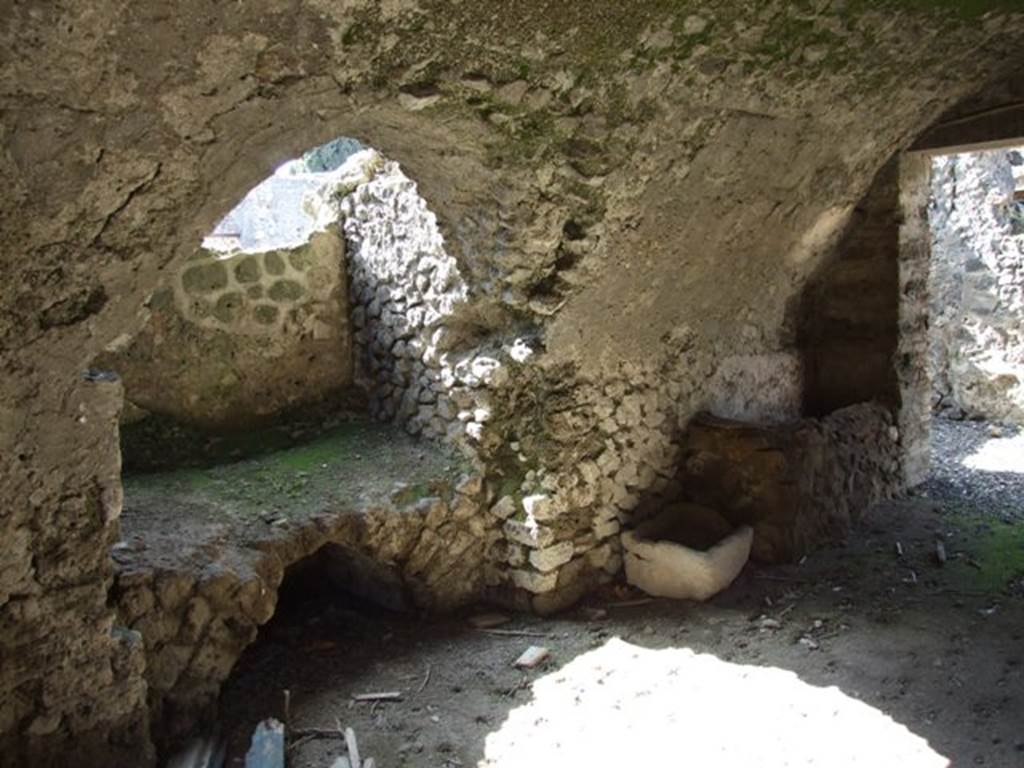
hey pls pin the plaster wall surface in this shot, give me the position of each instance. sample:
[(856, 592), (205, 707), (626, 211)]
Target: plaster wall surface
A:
[(237, 338)]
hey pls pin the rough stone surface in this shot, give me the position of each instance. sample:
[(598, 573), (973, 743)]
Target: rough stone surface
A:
[(977, 286), (798, 485), (238, 338), (204, 551), (631, 198)]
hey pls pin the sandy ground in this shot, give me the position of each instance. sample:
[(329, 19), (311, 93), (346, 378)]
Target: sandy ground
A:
[(860, 656)]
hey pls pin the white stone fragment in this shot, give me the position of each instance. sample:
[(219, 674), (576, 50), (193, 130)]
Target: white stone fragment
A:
[(539, 507), (520, 351)]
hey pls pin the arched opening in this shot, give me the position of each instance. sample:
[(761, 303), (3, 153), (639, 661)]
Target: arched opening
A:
[(292, 409)]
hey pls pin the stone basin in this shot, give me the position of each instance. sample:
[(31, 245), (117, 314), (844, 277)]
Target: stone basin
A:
[(677, 554)]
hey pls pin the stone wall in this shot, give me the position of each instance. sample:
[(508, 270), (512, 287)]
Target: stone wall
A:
[(418, 363), (194, 585), (977, 285), (800, 484), (237, 338)]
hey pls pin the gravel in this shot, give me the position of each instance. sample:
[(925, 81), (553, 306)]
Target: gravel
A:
[(977, 463)]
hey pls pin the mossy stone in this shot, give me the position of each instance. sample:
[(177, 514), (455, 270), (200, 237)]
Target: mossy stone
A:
[(227, 307), (204, 278), (162, 299), (300, 260), (273, 263), (266, 314), (247, 270), (286, 290)]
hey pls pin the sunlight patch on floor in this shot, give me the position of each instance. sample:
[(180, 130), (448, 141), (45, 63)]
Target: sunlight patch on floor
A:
[(1002, 454), (626, 705)]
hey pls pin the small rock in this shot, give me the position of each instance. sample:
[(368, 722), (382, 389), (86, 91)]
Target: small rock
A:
[(940, 553), (532, 656)]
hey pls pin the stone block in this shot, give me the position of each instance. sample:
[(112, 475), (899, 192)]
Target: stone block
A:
[(533, 581), (606, 529), (550, 558), (532, 535), (504, 508), (539, 507)]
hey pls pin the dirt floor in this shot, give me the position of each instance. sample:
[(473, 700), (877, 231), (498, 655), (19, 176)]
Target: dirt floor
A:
[(873, 653)]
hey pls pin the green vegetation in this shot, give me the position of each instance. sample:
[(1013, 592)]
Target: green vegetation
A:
[(994, 551), (342, 464)]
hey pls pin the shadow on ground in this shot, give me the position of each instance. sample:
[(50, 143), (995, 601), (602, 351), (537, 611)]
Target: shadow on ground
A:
[(868, 654)]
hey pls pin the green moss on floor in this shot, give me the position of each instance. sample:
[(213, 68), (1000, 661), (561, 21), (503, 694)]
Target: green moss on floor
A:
[(335, 469), (993, 549)]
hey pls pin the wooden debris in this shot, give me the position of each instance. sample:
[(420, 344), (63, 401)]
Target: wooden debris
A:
[(899, 549), (353, 748), (378, 696), (532, 656), (267, 747), (595, 614), (515, 633), (940, 552), (488, 620), (630, 603), (426, 679), (305, 734)]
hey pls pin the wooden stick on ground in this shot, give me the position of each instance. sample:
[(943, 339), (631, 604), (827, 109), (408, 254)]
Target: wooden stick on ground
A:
[(353, 748), (426, 679), (630, 603), (514, 633), (378, 696)]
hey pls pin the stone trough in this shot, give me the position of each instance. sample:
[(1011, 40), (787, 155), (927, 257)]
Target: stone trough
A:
[(686, 552)]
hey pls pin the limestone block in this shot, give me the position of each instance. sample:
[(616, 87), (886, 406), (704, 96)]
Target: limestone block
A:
[(602, 530), (539, 507), (535, 582), (532, 535), (504, 508), (550, 558), (667, 568)]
